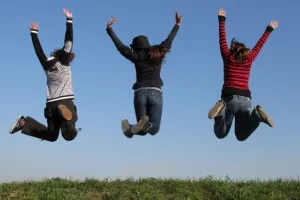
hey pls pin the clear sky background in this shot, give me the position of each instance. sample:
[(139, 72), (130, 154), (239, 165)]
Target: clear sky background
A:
[(186, 145)]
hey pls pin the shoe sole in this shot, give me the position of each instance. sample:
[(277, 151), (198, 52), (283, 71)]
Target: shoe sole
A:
[(215, 110), (126, 128), (13, 127), (141, 124), (264, 115), (65, 112)]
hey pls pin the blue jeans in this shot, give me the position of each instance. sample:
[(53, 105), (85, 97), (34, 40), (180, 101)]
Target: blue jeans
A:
[(149, 102), (246, 122)]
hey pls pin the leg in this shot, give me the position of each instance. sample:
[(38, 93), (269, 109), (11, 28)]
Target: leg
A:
[(223, 113), (154, 111), (223, 120), (31, 127), (68, 127), (246, 122), (140, 103)]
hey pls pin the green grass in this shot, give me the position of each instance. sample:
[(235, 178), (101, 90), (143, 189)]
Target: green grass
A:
[(151, 189)]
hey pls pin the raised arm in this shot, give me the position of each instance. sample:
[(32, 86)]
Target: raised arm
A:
[(68, 43), (34, 30), (222, 33), (123, 49), (168, 42), (257, 48)]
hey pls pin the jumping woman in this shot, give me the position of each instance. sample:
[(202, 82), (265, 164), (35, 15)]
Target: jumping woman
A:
[(236, 97), (60, 110), (148, 60)]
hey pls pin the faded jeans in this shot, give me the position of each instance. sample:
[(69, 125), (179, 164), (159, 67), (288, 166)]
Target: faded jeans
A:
[(246, 122), (149, 102)]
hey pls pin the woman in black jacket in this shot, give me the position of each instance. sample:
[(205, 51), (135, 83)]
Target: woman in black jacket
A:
[(148, 60)]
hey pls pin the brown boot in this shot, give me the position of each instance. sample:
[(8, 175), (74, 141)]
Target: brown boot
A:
[(216, 109), (264, 116), (126, 128), (141, 126), (65, 112)]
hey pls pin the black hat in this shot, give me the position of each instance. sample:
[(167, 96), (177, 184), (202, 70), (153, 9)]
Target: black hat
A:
[(140, 42)]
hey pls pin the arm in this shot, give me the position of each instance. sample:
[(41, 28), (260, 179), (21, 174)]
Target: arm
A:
[(168, 42), (68, 36), (257, 48), (123, 49), (38, 48), (222, 37)]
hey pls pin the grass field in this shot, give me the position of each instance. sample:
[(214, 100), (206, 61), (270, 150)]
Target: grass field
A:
[(151, 189)]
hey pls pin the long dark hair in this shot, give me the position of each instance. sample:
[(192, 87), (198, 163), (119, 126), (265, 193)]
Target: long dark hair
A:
[(60, 54), (239, 50), (157, 55)]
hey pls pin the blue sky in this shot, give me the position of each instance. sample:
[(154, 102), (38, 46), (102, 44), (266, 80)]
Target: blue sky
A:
[(186, 145)]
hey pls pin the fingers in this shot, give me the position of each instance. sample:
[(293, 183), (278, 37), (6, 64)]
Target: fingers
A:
[(67, 13), (111, 21), (34, 25), (274, 24), (222, 12)]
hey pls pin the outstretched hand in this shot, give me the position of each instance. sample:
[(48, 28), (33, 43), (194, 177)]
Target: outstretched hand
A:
[(68, 14), (222, 12), (110, 22), (274, 24), (34, 26), (178, 19)]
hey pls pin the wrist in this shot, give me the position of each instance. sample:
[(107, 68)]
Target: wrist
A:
[(34, 31), (269, 29)]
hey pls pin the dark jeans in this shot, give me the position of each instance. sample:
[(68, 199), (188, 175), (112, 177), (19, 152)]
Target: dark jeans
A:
[(149, 102), (55, 123), (246, 122)]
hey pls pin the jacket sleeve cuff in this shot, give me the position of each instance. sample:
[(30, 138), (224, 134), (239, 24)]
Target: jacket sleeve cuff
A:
[(222, 18), (269, 29), (34, 31), (69, 20)]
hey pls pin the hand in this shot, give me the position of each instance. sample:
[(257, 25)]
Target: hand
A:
[(34, 26), (222, 12), (68, 14), (178, 19), (274, 24), (111, 21)]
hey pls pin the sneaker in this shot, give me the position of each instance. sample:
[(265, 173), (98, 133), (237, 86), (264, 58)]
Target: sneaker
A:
[(126, 128), (141, 126), (264, 116), (18, 125), (65, 112), (216, 109)]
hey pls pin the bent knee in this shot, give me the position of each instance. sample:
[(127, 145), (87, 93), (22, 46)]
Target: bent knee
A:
[(220, 136), (241, 138), (69, 138), (53, 138), (154, 130)]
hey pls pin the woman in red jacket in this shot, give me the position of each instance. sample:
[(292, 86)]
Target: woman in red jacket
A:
[(236, 96)]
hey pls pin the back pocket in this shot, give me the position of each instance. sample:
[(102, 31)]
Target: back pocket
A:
[(157, 97)]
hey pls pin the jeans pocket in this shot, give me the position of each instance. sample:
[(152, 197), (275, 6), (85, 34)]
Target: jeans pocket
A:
[(157, 97)]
